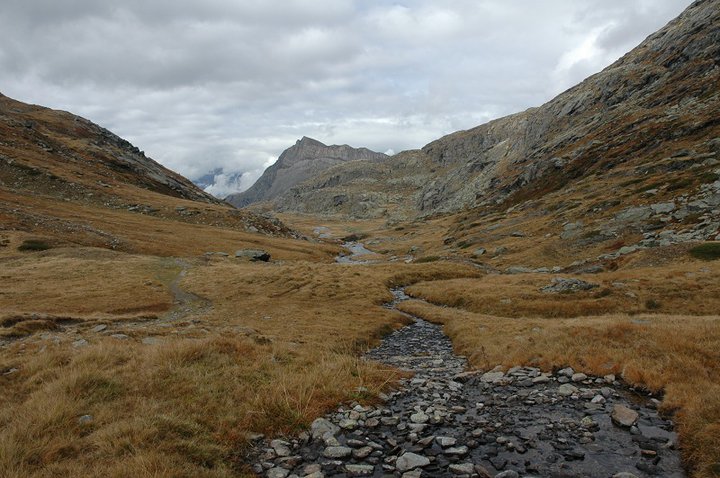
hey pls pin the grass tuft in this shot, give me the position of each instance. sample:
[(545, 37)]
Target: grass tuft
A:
[(709, 251), (34, 245)]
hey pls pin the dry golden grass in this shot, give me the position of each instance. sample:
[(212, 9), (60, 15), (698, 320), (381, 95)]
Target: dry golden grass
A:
[(677, 354), (90, 225), (86, 281), (277, 347), (691, 287)]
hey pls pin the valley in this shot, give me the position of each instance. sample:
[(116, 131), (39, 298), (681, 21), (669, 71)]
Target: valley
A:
[(535, 296)]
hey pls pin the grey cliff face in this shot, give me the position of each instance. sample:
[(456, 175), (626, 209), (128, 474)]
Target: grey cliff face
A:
[(306, 159), (658, 98)]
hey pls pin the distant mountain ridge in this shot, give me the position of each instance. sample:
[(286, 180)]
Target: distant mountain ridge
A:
[(658, 100), (304, 160)]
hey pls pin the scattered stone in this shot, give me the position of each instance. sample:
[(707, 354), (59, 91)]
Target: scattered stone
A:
[(409, 461), (443, 420), (359, 470), (277, 472), (624, 416), (566, 390), (419, 417), (321, 426), (492, 377), (508, 474), (282, 448), (99, 328), (80, 343), (446, 441), (565, 285), (462, 468), (337, 452)]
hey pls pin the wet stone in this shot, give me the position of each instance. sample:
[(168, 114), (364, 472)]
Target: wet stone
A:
[(447, 422)]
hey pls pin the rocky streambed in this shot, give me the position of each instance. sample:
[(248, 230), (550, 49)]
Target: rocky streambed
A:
[(445, 421)]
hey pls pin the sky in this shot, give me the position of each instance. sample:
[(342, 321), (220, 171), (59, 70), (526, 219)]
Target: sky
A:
[(204, 85)]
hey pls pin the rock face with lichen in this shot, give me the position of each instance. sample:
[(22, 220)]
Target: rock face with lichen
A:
[(306, 159), (653, 111)]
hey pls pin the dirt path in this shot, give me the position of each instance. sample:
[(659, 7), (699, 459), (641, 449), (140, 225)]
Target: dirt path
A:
[(185, 303), (447, 422)]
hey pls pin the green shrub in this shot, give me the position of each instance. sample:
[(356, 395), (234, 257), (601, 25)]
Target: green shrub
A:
[(427, 259), (34, 245), (709, 251), (652, 304)]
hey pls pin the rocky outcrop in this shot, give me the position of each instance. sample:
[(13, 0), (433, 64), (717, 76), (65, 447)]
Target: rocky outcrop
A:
[(659, 100), (306, 159)]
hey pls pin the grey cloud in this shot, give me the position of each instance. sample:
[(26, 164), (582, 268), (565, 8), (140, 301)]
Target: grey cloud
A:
[(228, 84)]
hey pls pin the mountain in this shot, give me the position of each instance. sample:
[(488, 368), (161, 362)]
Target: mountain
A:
[(659, 100), (208, 179), (306, 159), (64, 147), (66, 179)]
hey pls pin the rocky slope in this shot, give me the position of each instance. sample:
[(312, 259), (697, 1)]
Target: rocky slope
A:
[(658, 101), (306, 159), (66, 179), (70, 149)]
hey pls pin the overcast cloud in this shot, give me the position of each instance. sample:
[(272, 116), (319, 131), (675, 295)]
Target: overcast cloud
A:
[(231, 83)]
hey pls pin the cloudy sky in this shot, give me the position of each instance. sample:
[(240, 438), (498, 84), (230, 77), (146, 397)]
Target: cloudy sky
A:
[(201, 85)]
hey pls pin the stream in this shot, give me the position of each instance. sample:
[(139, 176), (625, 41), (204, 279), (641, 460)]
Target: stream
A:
[(446, 422)]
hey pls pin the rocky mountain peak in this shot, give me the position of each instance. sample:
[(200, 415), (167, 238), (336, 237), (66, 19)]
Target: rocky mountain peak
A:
[(307, 158)]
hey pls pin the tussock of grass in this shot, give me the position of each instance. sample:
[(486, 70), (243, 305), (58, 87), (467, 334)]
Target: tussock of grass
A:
[(709, 251), (34, 245)]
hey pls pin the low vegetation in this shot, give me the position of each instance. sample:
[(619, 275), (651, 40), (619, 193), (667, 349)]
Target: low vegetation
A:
[(34, 245), (157, 394), (709, 251)]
